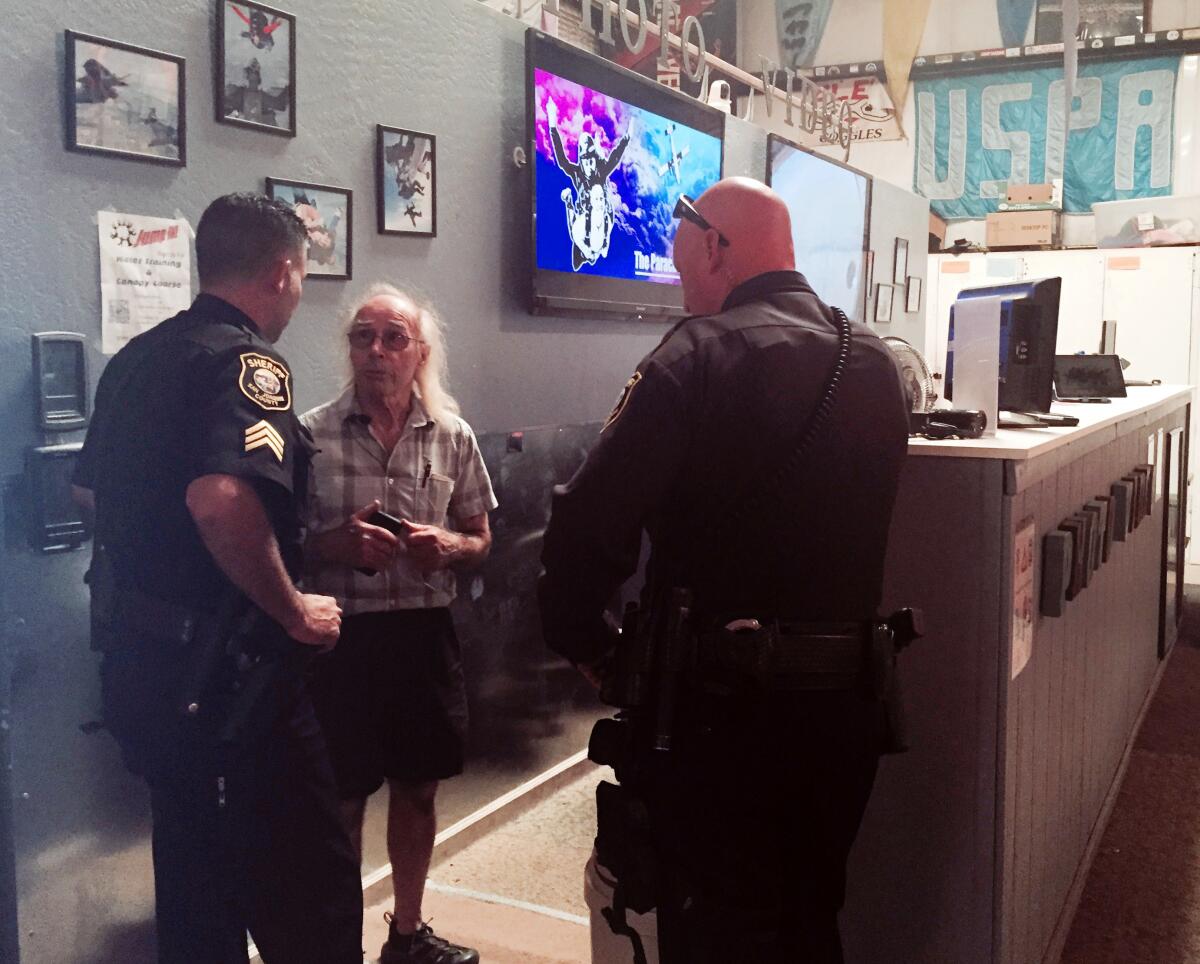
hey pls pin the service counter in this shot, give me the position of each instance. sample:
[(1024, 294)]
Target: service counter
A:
[(977, 840)]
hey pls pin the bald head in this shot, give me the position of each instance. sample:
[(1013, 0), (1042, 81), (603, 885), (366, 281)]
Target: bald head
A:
[(756, 223)]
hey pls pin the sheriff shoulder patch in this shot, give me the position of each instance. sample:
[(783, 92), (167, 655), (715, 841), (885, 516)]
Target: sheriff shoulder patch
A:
[(626, 392), (266, 382), (263, 434)]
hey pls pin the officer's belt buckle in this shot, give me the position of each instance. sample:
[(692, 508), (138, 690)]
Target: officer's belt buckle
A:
[(790, 656)]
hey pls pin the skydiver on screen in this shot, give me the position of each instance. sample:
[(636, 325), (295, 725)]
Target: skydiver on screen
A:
[(590, 212)]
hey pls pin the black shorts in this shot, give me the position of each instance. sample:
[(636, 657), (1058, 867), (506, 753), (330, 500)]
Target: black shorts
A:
[(391, 700)]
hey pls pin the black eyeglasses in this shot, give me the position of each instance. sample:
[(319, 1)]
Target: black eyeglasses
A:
[(685, 209), (393, 339)]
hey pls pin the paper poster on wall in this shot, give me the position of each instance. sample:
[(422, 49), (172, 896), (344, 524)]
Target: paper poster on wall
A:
[(1023, 606), (145, 274), (977, 133)]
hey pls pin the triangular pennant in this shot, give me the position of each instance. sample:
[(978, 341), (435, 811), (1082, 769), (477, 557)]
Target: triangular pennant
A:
[(903, 27)]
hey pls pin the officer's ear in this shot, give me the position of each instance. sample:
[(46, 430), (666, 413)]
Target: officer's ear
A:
[(277, 274)]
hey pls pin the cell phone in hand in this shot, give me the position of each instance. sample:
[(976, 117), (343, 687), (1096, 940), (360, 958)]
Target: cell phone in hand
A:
[(384, 521)]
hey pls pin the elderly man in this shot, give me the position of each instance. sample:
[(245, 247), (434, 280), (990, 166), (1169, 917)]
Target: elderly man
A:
[(391, 699), (759, 446), (196, 468)]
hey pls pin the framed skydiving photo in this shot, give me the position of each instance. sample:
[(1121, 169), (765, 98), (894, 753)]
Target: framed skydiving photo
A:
[(256, 67), (328, 213), (124, 100), (405, 181)]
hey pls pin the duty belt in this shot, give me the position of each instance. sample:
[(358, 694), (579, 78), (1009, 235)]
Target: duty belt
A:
[(139, 614), (790, 655)]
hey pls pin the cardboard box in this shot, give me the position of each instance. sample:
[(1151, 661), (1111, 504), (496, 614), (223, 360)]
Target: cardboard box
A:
[(1031, 193), (1022, 229), (937, 227)]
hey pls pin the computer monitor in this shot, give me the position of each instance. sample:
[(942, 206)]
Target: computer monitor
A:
[(1088, 376), (1028, 334), (828, 202)]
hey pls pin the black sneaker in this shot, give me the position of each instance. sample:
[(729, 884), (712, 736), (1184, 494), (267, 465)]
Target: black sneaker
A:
[(423, 947)]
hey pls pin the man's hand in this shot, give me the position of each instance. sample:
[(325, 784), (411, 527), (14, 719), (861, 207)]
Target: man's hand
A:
[(355, 542), (432, 547), (318, 621)]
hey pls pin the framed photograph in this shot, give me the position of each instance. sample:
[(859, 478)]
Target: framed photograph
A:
[(883, 302), (900, 266), (1097, 19), (124, 100), (405, 181), (329, 213), (256, 67), (912, 294)]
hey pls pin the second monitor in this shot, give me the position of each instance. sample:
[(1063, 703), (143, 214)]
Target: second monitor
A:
[(1028, 335)]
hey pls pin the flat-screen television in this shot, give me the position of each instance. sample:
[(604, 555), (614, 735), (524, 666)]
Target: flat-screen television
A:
[(610, 154), (829, 204), (1028, 336)]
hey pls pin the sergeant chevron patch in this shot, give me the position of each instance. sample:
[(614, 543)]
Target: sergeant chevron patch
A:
[(263, 434)]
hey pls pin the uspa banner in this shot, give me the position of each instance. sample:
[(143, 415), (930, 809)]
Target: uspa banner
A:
[(978, 133)]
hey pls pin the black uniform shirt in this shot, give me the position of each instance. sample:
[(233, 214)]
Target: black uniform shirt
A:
[(703, 424), (200, 394)]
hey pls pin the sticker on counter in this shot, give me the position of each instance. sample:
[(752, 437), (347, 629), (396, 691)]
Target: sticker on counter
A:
[(1023, 601)]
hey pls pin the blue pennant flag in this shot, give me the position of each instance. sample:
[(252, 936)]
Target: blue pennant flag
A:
[(801, 26), (1014, 20)]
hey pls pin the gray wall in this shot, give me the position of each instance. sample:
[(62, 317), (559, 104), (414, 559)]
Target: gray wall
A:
[(896, 213)]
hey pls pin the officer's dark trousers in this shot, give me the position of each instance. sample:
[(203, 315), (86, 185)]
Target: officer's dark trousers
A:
[(757, 813), (246, 837)]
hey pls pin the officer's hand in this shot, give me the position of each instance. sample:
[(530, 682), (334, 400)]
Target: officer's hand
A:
[(318, 621), (431, 547), (356, 542)]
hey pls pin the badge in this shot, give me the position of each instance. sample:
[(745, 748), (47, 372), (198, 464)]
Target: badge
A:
[(626, 392), (265, 382), (263, 434)]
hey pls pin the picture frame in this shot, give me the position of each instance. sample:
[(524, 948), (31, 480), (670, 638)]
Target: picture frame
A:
[(883, 302), (124, 101), (405, 181), (329, 213), (900, 265), (1097, 19), (255, 67), (912, 295)]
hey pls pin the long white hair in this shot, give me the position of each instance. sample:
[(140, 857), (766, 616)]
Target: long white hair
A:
[(430, 380)]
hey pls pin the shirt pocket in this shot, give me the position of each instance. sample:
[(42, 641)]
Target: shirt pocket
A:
[(435, 499)]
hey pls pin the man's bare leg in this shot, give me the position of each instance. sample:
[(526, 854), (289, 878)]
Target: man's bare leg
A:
[(411, 827)]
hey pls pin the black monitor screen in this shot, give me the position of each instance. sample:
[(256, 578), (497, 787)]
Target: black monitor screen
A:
[(611, 153), (1028, 335)]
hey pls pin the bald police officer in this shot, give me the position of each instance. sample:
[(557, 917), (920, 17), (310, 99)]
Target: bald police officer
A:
[(196, 468), (755, 807)]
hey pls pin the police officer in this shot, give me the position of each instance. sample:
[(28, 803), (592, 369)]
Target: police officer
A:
[(195, 466), (753, 811)]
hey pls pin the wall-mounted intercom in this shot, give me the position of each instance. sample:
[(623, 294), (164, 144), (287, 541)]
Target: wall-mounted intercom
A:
[(60, 381), (61, 404), (56, 522)]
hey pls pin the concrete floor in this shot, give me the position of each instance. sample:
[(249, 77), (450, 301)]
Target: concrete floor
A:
[(516, 894)]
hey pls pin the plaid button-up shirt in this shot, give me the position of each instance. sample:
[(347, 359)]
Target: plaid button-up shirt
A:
[(435, 474)]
